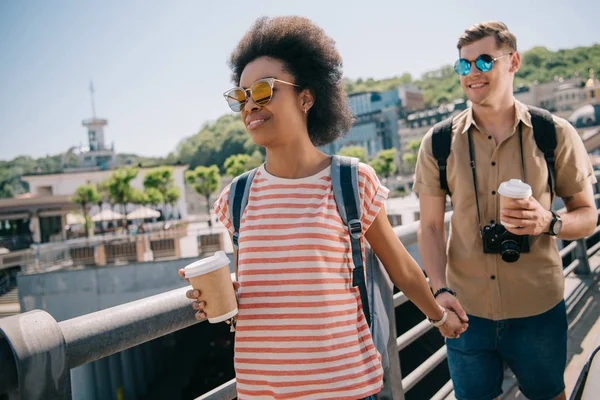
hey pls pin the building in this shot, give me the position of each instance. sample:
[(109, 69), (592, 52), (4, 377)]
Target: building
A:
[(417, 123), (376, 123), (411, 98), (97, 155), (561, 96), (592, 89)]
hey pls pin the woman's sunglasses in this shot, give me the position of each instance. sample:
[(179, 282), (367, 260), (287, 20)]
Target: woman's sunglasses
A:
[(261, 92), (484, 63)]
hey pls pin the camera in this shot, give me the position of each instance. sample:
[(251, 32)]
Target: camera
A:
[(496, 239)]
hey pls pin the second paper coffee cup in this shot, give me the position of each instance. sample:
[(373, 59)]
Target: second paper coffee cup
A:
[(212, 278), (512, 189)]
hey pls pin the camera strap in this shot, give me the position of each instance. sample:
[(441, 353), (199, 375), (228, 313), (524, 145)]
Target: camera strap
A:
[(472, 164)]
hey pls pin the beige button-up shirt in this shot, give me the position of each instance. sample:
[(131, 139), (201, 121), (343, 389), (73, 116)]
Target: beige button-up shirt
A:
[(486, 286)]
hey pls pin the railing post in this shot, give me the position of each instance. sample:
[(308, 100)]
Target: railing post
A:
[(39, 357), (584, 265)]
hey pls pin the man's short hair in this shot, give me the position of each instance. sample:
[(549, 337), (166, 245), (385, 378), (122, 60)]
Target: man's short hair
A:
[(497, 29)]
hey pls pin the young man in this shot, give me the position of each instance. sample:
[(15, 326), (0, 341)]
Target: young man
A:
[(515, 310)]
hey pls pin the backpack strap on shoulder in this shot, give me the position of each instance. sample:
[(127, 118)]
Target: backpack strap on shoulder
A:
[(440, 143), (238, 200), (344, 180), (544, 133)]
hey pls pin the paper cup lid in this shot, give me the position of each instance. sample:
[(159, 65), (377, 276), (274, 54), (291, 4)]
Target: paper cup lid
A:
[(515, 189), (207, 265)]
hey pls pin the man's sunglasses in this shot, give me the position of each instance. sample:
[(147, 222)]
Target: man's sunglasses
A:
[(484, 63), (261, 92)]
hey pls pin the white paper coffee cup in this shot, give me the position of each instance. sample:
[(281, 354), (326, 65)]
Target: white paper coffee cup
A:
[(512, 189), (212, 278)]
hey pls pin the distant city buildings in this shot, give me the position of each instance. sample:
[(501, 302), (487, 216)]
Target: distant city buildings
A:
[(377, 117), (561, 96)]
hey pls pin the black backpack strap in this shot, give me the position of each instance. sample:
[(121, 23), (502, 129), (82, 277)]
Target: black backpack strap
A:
[(237, 201), (544, 133), (344, 180), (440, 146)]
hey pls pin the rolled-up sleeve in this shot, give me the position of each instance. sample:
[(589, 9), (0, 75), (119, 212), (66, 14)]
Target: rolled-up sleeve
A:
[(574, 169)]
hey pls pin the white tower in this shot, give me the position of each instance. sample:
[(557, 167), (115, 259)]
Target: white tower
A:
[(98, 155)]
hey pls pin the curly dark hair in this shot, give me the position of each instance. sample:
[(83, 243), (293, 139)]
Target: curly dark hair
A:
[(311, 57)]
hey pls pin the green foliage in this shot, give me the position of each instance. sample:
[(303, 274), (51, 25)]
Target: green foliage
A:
[(172, 195), (138, 196), (414, 146), (84, 196), (237, 164), (119, 185), (120, 191), (215, 142), (384, 163), (409, 158), (206, 181), (354, 151), (154, 196)]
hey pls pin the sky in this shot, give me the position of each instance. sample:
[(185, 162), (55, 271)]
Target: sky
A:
[(159, 68)]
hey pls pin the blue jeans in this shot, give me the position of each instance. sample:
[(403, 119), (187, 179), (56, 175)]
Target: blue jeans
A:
[(534, 348)]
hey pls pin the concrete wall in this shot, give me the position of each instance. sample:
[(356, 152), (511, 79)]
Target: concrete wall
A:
[(71, 293)]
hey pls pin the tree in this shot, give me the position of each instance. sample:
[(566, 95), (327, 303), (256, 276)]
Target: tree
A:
[(154, 195), (172, 196), (162, 179), (206, 181), (384, 164), (237, 164), (84, 196), (120, 190), (354, 151), (410, 157)]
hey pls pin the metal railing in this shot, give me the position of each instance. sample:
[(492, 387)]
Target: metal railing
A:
[(80, 251), (50, 349)]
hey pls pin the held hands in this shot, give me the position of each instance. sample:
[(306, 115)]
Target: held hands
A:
[(456, 323), (195, 294), (528, 215), (453, 327)]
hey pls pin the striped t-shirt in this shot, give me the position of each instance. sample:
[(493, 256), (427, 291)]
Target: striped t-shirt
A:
[(301, 332)]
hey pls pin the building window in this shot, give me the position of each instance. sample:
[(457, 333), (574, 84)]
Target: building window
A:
[(44, 190)]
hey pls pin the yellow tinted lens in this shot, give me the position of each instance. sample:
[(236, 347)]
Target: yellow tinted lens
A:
[(236, 99), (261, 93)]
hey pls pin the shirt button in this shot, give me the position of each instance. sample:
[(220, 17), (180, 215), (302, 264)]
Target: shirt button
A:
[(493, 192), (493, 163), (493, 277)]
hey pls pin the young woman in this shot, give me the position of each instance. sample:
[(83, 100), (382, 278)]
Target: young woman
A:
[(301, 332)]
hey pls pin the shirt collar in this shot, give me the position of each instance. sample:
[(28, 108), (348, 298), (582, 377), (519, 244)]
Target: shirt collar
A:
[(521, 115)]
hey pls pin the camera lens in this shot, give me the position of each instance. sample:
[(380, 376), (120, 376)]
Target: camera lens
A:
[(510, 251)]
